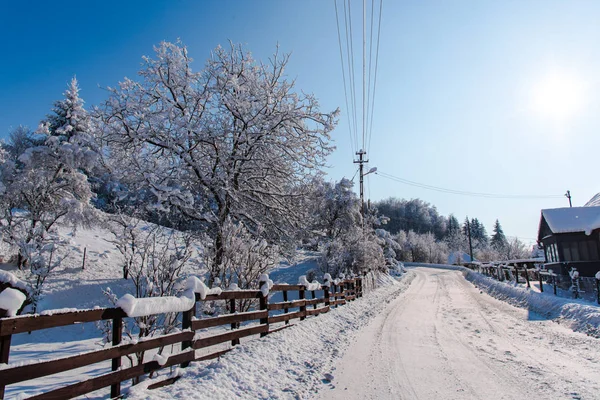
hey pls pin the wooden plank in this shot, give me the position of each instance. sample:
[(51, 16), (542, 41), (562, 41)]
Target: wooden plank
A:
[(164, 382), (317, 311), (4, 354), (233, 294), (286, 317), (90, 385), (264, 305), (117, 333), (315, 301), (228, 319), (280, 287), (280, 328), (287, 304), (186, 323), (302, 296), (225, 337), (338, 302), (45, 368), (30, 323), (235, 324), (285, 299), (212, 356)]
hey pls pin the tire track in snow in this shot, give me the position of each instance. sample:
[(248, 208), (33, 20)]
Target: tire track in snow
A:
[(442, 338)]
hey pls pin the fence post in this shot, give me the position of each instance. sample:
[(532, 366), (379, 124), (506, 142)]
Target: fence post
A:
[(285, 310), (554, 283), (301, 296), (234, 325), (541, 282), (186, 323), (527, 277), (334, 292), (314, 296), (84, 253), (4, 352), (516, 275), (326, 295), (598, 288), (264, 305), (117, 332)]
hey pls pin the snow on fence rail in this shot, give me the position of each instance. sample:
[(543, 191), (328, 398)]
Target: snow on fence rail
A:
[(334, 294), (517, 269)]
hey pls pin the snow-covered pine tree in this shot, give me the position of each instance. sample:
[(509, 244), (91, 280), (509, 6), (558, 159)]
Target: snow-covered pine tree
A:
[(498, 240), (453, 226)]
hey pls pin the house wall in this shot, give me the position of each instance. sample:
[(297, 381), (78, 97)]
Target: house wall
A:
[(573, 250)]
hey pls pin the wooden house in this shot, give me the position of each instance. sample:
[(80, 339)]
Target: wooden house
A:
[(571, 238)]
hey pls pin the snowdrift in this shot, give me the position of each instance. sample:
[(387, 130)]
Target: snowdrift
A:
[(579, 317)]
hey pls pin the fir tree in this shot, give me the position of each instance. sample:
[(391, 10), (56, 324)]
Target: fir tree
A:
[(453, 225), (478, 233), (498, 241)]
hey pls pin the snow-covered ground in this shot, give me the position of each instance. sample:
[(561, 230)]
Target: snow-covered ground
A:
[(443, 338), (71, 286), (294, 363), (432, 334)]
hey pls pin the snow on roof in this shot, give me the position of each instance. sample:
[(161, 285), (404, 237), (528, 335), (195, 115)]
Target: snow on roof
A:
[(594, 201), (572, 219)]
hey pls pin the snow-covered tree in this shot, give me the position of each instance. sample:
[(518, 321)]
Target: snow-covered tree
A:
[(153, 259), (498, 241), (42, 183), (336, 209), (453, 225), (245, 259), (347, 244), (514, 250), (232, 143)]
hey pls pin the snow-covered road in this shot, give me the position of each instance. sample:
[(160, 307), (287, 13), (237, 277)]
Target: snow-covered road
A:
[(444, 339)]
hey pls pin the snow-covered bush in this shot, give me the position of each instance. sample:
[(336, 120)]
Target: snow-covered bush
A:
[(153, 260), (245, 258)]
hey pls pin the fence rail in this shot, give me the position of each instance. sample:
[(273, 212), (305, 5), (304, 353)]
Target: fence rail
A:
[(259, 322), (576, 285)]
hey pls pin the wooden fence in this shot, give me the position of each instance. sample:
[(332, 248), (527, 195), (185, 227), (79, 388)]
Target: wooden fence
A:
[(268, 315)]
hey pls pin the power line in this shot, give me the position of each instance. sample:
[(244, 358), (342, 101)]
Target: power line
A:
[(364, 77), (464, 192), (375, 78), (350, 54), (348, 113)]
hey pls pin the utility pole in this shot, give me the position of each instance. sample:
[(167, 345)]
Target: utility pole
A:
[(361, 161), (470, 244), (568, 196)]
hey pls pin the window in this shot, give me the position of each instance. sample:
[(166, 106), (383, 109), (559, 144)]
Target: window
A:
[(555, 252), (566, 251), (583, 251), (575, 251), (593, 250)]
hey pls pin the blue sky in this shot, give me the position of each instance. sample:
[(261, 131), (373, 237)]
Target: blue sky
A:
[(478, 96)]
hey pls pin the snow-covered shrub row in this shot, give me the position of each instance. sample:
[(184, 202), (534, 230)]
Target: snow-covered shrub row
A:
[(576, 315), (291, 363)]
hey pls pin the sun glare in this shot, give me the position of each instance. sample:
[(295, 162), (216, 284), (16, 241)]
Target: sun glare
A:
[(558, 96)]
